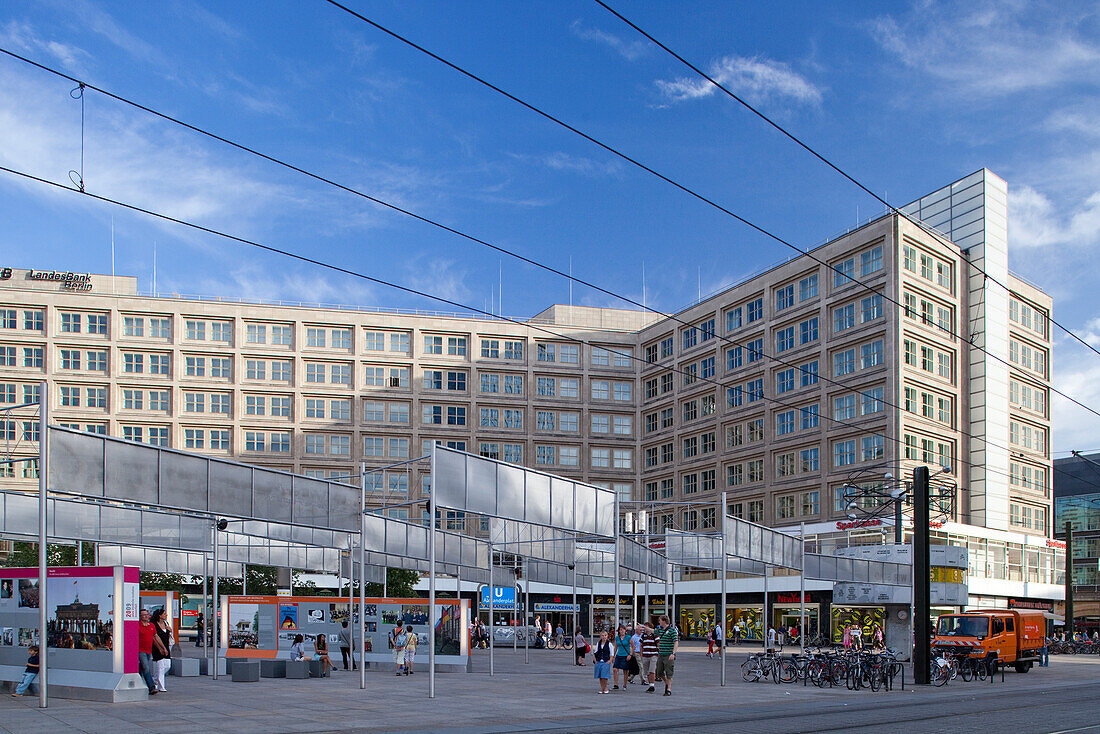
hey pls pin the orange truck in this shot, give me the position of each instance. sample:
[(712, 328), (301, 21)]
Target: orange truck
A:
[(1013, 636)]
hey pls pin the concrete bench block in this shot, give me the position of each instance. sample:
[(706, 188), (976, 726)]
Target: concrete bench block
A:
[(273, 668), (297, 669), (316, 668), (184, 667), (246, 671), (206, 666)]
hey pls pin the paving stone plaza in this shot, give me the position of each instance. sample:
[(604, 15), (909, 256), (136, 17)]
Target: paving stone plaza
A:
[(549, 694)]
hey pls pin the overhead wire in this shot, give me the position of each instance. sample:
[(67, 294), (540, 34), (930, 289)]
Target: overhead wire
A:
[(246, 148), (805, 146), (424, 294), (682, 187), (725, 339)]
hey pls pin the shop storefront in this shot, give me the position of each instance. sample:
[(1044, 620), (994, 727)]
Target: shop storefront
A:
[(559, 614), (786, 612), (867, 618), (748, 617), (696, 620)]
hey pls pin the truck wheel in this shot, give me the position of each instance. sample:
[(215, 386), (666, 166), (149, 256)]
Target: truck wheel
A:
[(1023, 667)]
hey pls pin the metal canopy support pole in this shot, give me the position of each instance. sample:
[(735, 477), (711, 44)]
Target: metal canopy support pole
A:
[(205, 607), (80, 553), (214, 612), (576, 619), (725, 568), (802, 589), (515, 610), (645, 605), (525, 624), (431, 588), (362, 577), (922, 653), (764, 615), (492, 593), (614, 627), (43, 449), (671, 609)]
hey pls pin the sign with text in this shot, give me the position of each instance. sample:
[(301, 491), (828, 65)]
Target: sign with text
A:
[(504, 598)]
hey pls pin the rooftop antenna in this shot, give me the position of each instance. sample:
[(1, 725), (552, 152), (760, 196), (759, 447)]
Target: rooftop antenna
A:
[(154, 268), (643, 285), (570, 281), (700, 283), (500, 287)]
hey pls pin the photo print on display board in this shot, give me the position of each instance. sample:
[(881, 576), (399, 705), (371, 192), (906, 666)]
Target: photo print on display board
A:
[(288, 616), (6, 588), (28, 593), (7, 636), (82, 616), (28, 636), (316, 616)]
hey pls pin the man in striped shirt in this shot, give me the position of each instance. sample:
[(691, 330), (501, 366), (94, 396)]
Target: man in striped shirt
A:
[(649, 656), (668, 642)]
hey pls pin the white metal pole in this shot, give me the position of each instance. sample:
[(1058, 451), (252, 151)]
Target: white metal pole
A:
[(725, 568), (214, 611), (80, 552), (525, 624), (764, 614), (802, 588), (576, 620), (614, 628), (43, 458), (515, 611), (492, 594), (205, 606), (362, 576), (431, 587), (645, 527)]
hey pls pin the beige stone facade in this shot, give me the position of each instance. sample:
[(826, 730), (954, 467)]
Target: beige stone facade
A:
[(778, 390)]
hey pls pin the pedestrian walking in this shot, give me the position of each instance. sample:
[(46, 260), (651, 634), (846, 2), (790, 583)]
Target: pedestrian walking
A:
[(398, 638), (346, 646), (847, 639), (771, 636), (580, 647), (622, 657), (601, 657), (668, 642), (649, 656), (148, 640), (879, 642), (162, 654), (411, 640), (719, 638), (634, 666), (200, 629), (29, 673)]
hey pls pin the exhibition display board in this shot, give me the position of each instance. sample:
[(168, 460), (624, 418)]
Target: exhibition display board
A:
[(169, 601), (91, 629), (265, 626)]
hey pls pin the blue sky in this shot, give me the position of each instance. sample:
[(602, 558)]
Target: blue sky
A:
[(907, 97)]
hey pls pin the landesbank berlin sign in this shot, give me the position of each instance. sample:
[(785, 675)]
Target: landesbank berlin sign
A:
[(69, 280)]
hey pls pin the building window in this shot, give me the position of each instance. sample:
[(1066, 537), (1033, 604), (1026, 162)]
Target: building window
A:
[(844, 317), (870, 261), (433, 345), (809, 373), (807, 331), (784, 297), (842, 272), (807, 288), (811, 460), (871, 354), (784, 381), (784, 507), (755, 310), (784, 423), (844, 363), (784, 339), (873, 448), (546, 353), (844, 453), (810, 416)]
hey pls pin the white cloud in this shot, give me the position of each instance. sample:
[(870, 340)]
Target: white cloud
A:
[(758, 80), (1076, 373), (251, 283), (629, 50), (987, 49), (440, 277), (1034, 221), (21, 37)]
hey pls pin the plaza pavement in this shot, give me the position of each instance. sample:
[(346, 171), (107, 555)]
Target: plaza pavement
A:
[(551, 695)]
